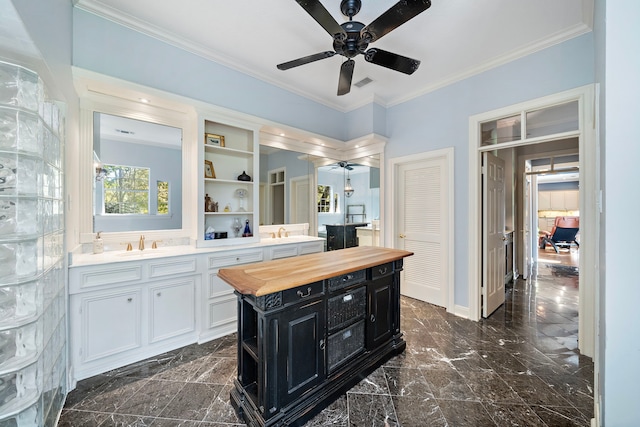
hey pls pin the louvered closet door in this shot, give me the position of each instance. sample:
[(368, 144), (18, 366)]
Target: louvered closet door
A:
[(422, 223)]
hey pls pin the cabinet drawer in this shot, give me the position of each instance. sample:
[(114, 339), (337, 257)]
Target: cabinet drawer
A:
[(302, 293), (234, 258), (170, 266), (113, 274), (381, 270), (311, 247), (345, 308), (345, 280), (284, 251), (345, 344)]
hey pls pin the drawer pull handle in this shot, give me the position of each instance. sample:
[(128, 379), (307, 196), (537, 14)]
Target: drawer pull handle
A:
[(347, 277), (303, 295), (373, 318), (129, 299), (322, 345), (382, 270)]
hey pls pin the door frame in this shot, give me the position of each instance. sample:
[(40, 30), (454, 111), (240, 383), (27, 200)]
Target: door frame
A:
[(589, 181), (391, 232)]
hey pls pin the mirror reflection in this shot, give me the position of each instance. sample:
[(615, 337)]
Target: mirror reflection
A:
[(344, 206), (138, 175)]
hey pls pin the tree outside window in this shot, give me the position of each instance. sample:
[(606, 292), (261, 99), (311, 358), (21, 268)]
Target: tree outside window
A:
[(126, 190), (163, 197)]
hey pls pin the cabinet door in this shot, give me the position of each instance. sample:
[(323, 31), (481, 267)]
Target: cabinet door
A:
[(171, 308), (110, 324), (381, 311), (301, 356)]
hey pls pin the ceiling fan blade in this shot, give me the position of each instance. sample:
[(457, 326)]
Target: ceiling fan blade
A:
[(391, 60), (305, 60), (346, 74), (323, 17), (397, 15)]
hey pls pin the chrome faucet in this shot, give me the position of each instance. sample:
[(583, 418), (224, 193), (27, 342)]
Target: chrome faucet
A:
[(141, 243), (280, 230)]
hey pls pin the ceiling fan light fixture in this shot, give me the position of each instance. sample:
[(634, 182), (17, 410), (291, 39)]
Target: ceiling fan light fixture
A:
[(348, 189)]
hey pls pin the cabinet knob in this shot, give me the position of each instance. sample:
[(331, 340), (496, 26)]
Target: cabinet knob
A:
[(373, 318), (322, 345), (159, 294), (129, 299), (402, 236), (237, 258)]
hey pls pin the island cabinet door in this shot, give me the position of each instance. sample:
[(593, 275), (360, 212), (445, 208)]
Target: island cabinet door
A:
[(301, 352), (381, 311)]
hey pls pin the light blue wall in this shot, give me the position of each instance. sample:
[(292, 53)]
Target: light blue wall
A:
[(441, 119), (108, 48), (621, 318), (371, 118)]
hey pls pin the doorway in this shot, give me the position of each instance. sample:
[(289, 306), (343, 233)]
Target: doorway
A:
[(580, 126)]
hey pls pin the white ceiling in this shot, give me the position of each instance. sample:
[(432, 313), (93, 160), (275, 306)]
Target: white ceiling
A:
[(454, 39)]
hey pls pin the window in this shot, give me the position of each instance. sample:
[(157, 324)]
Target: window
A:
[(163, 197), (325, 199), (126, 190)]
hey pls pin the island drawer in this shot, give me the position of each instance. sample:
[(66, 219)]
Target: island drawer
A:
[(381, 270), (346, 280), (345, 344), (302, 293)]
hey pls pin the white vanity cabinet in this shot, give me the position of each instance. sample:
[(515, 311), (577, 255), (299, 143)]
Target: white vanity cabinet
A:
[(124, 312)]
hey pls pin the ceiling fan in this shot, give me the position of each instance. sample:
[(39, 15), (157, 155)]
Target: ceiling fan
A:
[(352, 37)]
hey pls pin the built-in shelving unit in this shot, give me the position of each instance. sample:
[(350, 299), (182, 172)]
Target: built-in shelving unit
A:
[(228, 151)]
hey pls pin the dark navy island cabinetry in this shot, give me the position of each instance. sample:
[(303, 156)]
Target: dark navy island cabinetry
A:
[(311, 328)]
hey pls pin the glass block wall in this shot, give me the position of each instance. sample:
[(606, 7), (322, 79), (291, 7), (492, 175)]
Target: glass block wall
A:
[(33, 337)]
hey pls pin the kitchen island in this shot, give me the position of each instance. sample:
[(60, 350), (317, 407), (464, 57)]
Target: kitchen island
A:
[(312, 327)]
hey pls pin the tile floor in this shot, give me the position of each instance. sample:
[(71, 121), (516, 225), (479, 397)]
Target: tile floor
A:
[(520, 367)]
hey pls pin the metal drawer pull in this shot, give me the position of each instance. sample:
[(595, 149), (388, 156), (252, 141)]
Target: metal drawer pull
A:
[(303, 295), (322, 345), (382, 270), (347, 277), (373, 318)]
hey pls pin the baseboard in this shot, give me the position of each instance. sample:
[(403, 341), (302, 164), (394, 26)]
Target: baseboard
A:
[(461, 311)]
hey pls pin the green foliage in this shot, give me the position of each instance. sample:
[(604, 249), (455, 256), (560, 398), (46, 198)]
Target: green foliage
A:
[(126, 190)]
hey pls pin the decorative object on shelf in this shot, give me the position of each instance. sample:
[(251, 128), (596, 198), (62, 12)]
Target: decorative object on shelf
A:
[(244, 177), (247, 230), (213, 139), (348, 189), (209, 204), (236, 226), (209, 172), (241, 193), (209, 234), (227, 208)]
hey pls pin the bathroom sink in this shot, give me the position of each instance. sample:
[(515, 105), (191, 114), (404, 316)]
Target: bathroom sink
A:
[(145, 253)]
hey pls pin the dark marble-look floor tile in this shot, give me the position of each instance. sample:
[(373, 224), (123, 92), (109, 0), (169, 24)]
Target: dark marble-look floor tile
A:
[(374, 383), (577, 391), (172, 422), (488, 386), (562, 416), (151, 399), (407, 382), (221, 410), (145, 368), (375, 410), (117, 420), (335, 415), (534, 391), (86, 389), (215, 370), (503, 362), (73, 418), (465, 414), (112, 395), (417, 412), (449, 385), (192, 402), (504, 415)]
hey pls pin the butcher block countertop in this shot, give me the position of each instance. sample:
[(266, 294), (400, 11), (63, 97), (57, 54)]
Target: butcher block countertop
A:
[(264, 278)]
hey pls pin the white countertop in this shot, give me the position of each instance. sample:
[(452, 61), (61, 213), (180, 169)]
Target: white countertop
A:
[(79, 260)]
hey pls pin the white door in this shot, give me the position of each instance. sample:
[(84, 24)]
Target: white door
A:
[(493, 212), (423, 193), (299, 207)]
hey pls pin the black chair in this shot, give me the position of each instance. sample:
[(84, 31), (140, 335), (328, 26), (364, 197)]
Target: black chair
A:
[(563, 233)]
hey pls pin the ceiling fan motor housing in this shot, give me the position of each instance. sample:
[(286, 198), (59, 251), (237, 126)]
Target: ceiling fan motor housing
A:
[(353, 44)]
